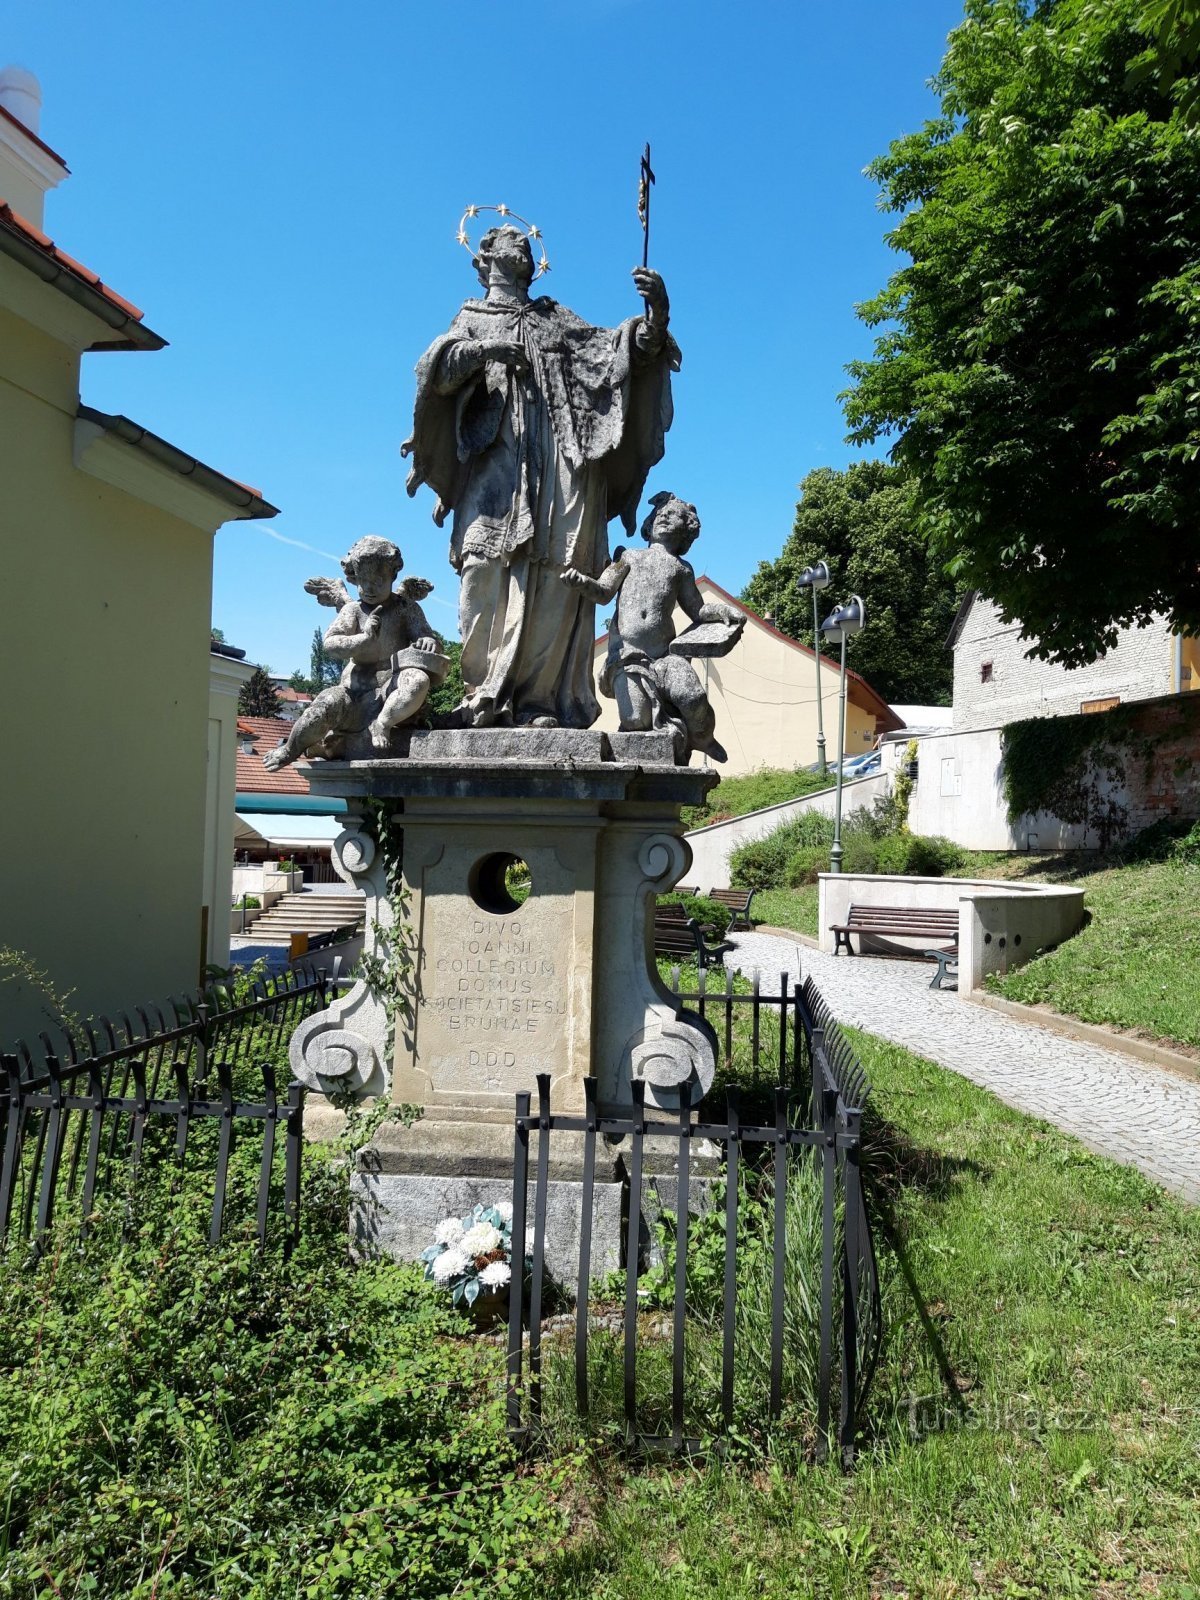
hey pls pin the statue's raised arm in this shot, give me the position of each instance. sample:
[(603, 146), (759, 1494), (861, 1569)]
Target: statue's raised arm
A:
[(534, 429)]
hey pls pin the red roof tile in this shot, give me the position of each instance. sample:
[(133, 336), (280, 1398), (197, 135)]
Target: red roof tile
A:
[(19, 224), (252, 777)]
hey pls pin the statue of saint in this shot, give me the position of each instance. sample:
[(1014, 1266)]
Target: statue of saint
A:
[(535, 429)]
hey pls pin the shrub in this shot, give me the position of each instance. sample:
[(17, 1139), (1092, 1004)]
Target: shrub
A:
[(702, 909), (892, 853), (860, 852), (1187, 849), (933, 856), (805, 865), (763, 863)]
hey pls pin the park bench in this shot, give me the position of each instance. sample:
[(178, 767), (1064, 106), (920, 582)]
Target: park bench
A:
[(677, 934), (737, 901), (903, 922)]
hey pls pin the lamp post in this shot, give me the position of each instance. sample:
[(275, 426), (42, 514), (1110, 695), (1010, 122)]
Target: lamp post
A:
[(816, 578), (840, 624)]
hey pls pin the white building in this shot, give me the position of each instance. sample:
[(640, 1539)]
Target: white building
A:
[(995, 682)]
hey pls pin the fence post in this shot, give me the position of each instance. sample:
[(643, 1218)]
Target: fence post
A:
[(291, 1166), (632, 1251), (516, 1286), (540, 1194), (780, 1250), (851, 1248), (585, 1246), (55, 1134), (682, 1202), (732, 1153)]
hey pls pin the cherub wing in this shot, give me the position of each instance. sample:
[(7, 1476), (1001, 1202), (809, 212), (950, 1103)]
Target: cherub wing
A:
[(328, 592), (415, 588)]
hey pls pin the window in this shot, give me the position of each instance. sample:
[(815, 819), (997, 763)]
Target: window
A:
[(985, 672), (1105, 704)]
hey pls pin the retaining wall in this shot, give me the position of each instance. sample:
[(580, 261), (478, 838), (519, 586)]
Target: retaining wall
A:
[(1000, 925), (713, 846)]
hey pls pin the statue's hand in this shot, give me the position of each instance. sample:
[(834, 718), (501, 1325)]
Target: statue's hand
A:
[(508, 354), (652, 290), (428, 644), (577, 579), (374, 623)]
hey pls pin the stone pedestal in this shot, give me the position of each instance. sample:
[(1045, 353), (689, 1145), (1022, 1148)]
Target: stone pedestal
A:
[(563, 983)]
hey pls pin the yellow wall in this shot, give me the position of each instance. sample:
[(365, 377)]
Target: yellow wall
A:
[(764, 694), (102, 792), (1189, 661)]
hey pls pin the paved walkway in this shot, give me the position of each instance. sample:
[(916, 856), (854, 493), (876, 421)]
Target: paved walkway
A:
[(1134, 1112)]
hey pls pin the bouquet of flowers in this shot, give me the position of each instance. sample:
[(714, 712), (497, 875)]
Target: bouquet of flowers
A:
[(472, 1255)]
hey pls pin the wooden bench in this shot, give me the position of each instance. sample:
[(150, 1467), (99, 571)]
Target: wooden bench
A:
[(737, 901), (677, 934), (901, 922)]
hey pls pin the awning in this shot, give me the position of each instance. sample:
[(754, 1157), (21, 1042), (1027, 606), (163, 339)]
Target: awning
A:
[(285, 832)]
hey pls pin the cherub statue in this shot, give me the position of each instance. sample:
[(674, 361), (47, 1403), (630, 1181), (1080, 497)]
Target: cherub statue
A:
[(391, 653), (648, 671)]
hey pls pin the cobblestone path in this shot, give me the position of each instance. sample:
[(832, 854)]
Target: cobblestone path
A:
[(1133, 1112)]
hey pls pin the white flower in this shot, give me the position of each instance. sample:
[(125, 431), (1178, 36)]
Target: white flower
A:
[(449, 1232), (448, 1265), (503, 1210), (477, 1241), (496, 1274)]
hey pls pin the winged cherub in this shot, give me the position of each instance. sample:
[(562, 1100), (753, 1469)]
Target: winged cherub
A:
[(648, 671), (391, 655)]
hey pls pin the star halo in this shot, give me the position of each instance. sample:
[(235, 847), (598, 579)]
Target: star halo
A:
[(534, 235)]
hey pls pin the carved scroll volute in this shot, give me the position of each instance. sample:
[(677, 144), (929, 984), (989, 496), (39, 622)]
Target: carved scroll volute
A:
[(344, 1049), (674, 1046)]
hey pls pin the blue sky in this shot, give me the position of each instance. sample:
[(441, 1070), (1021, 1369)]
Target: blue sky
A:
[(278, 184)]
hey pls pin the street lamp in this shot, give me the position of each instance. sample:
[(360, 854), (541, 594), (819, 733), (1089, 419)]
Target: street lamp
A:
[(816, 578), (841, 624)]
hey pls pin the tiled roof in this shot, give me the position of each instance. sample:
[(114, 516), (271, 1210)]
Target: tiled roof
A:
[(252, 776), (23, 232)]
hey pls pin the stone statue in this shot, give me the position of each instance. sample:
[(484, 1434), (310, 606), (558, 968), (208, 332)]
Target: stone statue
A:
[(391, 653), (535, 429), (648, 671)]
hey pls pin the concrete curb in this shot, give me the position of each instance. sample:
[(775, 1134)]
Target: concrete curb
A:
[(1089, 1033), (787, 933)]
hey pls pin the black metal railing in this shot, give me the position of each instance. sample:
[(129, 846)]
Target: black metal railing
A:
[(813, 1137), (74, 1118)]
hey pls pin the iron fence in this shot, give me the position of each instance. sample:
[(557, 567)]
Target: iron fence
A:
[(75, 1115), (816, 1119)]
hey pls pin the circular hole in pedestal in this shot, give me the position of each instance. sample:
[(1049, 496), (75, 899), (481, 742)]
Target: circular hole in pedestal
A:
[(500, 883)]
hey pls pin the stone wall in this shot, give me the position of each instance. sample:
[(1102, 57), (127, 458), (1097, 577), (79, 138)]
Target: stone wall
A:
[(960, 785), (1141, 666), (713, 847)]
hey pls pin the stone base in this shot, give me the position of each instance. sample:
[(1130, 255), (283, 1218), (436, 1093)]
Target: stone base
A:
[(408, 1179)]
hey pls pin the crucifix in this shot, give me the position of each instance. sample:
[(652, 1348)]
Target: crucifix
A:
[(645, 179)]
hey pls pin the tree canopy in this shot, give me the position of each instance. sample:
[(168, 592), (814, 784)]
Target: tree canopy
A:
[(1039, 356), (257, 697), (863, 522)]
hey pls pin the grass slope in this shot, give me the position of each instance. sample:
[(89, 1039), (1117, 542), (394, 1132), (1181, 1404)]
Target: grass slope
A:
[(771, 786), (1135, 965), (1039, 1429)]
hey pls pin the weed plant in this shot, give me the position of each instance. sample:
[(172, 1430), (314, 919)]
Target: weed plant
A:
[(184, 1421)]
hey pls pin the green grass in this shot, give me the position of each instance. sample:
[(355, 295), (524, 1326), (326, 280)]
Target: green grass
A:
[(1135, 964), (734, 797), (1049, 1368), (787, 908)]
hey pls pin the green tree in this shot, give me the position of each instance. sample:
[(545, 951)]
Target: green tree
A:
[(445, 696), (863, 522), (1039, 356), (323, 669), (257, 697)]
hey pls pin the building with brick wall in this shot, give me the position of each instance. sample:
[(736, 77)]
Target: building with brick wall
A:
[(995, 682)]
